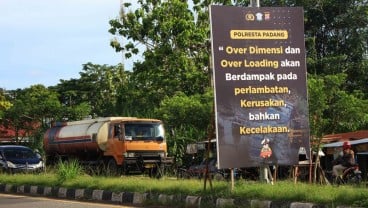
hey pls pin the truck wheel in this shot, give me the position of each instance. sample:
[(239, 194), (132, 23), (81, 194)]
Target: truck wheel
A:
[(218, 177), (155, 172), (152, 172), (112, 168), (125, 170)]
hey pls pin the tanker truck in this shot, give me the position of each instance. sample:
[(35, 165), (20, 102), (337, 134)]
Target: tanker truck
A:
[(117, 144)]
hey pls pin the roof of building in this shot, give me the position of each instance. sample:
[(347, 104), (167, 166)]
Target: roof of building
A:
[(339, 144), (341, 137)]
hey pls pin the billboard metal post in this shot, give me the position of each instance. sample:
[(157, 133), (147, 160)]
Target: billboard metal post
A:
[(210, 135), (254, 3)]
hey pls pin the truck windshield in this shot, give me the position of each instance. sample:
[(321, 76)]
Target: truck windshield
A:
[(144, 131)]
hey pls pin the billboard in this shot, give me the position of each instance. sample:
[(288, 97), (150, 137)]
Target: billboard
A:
[(259, 71)]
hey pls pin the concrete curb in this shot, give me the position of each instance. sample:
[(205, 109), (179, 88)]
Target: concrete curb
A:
[(105, 196)]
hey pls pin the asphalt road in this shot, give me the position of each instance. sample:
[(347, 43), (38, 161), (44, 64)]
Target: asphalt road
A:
[(20, 201)]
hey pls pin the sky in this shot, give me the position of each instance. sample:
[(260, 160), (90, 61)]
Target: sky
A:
[(43, 41)]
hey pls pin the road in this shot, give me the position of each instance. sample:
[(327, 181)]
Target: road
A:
[(20, 201)]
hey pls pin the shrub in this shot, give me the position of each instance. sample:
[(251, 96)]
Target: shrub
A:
[(67, 170)]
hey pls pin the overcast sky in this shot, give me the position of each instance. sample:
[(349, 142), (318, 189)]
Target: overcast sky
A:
[(43, 41)]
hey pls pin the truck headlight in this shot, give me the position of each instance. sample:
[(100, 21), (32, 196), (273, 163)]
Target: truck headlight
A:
[(162, 154), (129, 154)]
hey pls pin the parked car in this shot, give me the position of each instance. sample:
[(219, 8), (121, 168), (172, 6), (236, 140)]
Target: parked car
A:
[(17, 158)]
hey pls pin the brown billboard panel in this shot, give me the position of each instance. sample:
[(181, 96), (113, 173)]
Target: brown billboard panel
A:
[(259, 69)]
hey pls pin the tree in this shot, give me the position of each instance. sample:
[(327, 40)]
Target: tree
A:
[(176, 48), (31, 111), (4, 103), (95, 92), (347, 111), (175, 110), (317, 121), (339, 34), (317, 106), (186, 120), (332, 109)]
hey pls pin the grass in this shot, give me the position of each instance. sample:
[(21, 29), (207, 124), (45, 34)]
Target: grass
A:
[(68, 170), (71, 175), (280, 191)]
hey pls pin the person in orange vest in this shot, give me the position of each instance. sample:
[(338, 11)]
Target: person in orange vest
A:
[(345, 161)]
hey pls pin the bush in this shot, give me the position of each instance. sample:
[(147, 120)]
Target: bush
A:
[(67, 170)]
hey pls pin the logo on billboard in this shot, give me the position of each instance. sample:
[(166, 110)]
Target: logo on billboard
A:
[(249, 17), (267, 16), (259, 16)]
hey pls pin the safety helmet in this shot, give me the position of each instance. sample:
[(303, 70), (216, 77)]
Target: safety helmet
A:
[(265, 141), (346, 145)]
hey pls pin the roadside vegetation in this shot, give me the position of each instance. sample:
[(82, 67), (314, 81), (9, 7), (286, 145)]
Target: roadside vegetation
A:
[(71, 175), (67, 170)]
